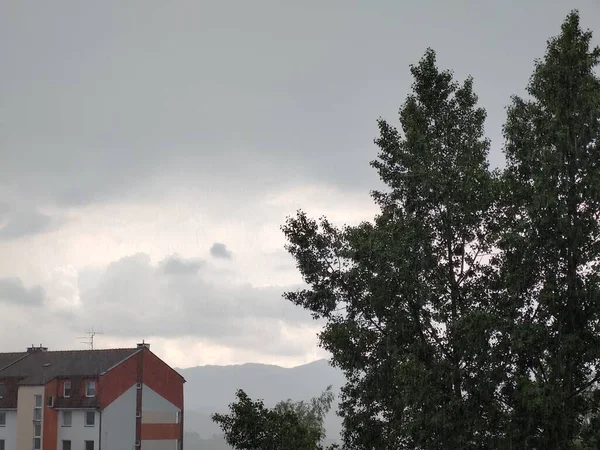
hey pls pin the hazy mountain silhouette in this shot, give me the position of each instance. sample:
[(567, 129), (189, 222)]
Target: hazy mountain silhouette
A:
[(211, 389)]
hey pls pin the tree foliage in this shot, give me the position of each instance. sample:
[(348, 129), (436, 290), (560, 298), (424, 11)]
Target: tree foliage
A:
[(465, 315), (551, 244), (251, 425)]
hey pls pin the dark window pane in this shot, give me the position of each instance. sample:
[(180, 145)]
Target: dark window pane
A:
[(67, 389)]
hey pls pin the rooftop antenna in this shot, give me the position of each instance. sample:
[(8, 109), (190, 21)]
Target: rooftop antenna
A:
[(89, 339)]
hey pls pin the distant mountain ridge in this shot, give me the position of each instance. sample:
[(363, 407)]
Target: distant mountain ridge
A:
[(212, 388)]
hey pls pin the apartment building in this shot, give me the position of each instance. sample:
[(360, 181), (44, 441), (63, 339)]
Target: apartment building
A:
[(116, 399)]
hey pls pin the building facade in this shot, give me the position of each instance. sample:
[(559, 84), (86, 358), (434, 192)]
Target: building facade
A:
[(117, 399)]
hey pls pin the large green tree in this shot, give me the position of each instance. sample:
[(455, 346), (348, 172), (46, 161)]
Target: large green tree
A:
[(551, 247), (250, 425), (467, 313), (404, 298)]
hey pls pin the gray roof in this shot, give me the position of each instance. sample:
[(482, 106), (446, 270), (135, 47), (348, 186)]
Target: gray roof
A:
[(41, 366), (8, 358)]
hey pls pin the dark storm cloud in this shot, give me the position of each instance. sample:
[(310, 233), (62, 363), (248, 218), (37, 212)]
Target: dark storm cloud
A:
[(12, 290), (22, 224), (133, 98), (219, 250)]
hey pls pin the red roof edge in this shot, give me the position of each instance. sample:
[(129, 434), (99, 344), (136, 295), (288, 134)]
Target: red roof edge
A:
[(120, 362)]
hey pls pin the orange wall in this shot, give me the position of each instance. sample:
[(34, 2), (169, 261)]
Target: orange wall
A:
[(162, 379), (50, 418), (154, 431), (117, 380)]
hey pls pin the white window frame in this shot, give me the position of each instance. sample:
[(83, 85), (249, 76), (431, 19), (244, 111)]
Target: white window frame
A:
[(87, 386), (85, 418), (37, 438), (65, 384), (37, 407), (62, 447), (86, 442), (70, 414)]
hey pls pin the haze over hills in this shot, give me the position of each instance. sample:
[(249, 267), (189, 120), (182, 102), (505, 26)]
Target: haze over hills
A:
[(211, 389)]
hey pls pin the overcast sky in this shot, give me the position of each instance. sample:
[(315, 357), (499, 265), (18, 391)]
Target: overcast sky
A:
[(150, 150)]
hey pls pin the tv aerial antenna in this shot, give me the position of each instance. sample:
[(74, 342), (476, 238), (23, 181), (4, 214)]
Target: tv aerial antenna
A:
[(89, 338)]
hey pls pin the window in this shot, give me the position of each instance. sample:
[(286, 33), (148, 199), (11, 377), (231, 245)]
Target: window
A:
[(90, 389), (2, 444), (37, 409), (67, 392), (50, 402), (66, 445), (2, 419), (2, 390), (37, 435), (90, 418), (89, 445), (67, 418)]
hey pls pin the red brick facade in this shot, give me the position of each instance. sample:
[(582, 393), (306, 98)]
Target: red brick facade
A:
[(159, 431), (162, 379), (50, 417), (117, 380)]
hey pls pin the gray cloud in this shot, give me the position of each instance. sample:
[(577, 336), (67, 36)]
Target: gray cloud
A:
[(175, 265), (219, 250), (79, 124), (283, 261), (133, 297), (138, 100), (22, 224), (12, 290)]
